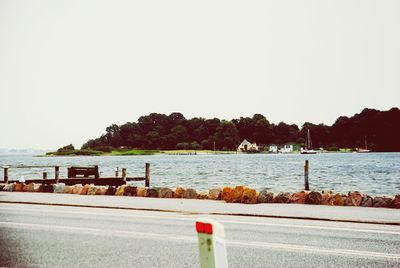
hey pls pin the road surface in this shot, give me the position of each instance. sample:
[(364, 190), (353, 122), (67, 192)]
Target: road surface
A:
[(59, 236)]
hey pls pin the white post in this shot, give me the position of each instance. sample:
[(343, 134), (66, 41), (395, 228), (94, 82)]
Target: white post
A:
[(212, 246)]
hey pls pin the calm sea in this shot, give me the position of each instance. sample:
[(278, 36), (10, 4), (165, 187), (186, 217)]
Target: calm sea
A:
[(373, 173)]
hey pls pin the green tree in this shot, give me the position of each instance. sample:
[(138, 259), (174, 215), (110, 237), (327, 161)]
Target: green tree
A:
[(178, 134), (227, 136), (69, 147)]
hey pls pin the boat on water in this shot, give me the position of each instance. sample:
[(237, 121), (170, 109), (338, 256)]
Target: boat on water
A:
[(365, 149), (308, 149)]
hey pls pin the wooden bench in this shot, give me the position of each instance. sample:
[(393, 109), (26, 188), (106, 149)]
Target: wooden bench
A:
[(83, 172)]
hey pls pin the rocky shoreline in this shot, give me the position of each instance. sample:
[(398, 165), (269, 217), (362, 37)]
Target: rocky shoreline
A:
[(237, 194)]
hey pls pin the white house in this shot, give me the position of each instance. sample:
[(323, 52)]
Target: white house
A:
[(286, 148), (247, 146), (273, 148)]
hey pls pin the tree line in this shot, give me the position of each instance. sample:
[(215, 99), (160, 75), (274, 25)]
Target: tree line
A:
[(174, 131)]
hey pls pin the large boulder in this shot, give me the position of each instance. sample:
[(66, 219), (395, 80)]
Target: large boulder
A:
[(151, 192), (166, 193), (202, 195), (215, 194), (282, 198), (77, 189), (111, 190), (298, 198), (227, 194), (353, 199), (249, 196), (25, 187), (92, 190), (68, 189), (3, 187), (19, 186), (101, 190), (36, 187), (28, 187), (141, 191), (120, 190), (190, 194), (396, 201), (46, 188), (382, 202), (9, 187), (179, 192), (85, 189), (367, 201), (41, 188), (314, 198), (327, 198), (237, 194), (337, 200), (130, 190), (59, 188), (265, 197)]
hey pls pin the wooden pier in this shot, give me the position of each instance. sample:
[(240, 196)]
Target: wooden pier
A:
[(81, 175)]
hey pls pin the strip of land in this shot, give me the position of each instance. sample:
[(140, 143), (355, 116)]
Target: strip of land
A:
[(91, 152)]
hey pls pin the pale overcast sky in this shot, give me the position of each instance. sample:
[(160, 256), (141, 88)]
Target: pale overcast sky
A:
[(69, 69)]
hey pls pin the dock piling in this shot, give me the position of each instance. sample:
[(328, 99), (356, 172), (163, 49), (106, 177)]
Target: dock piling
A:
[(116, 171), (124, 174), (147, 175), (96, 172), (45, 175), (306, 170), (6, 174), (57, 173)]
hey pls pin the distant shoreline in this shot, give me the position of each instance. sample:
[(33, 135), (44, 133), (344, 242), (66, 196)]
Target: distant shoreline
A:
[(86, 152), (125, 152)]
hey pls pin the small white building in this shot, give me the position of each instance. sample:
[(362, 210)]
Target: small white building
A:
[(247, 146), (286, 148), (273, 148)]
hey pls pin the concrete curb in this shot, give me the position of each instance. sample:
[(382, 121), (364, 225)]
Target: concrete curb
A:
[(211, 213)]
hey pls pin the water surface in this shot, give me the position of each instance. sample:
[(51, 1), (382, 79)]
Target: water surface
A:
[(373, 173)]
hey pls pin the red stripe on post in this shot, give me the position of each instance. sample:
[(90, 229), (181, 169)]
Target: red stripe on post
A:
[(200, 227), (204, 228), (208, 228)]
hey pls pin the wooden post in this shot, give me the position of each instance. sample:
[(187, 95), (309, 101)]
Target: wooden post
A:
[(96, 172), (57, 173), (116, 171), (6, 174), (45, 175), (124, 174), (306, 169), (147, 175)]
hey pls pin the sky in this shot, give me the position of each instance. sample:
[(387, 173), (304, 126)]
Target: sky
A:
[(69, 69)]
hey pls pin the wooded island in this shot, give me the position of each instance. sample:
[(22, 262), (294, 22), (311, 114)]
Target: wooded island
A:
[(155, 132)]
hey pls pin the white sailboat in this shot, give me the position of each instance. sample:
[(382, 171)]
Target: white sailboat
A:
[(365, 149), (308, 149)]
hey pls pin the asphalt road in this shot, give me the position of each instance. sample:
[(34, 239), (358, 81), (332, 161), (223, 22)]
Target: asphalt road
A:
[(57, 236)]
